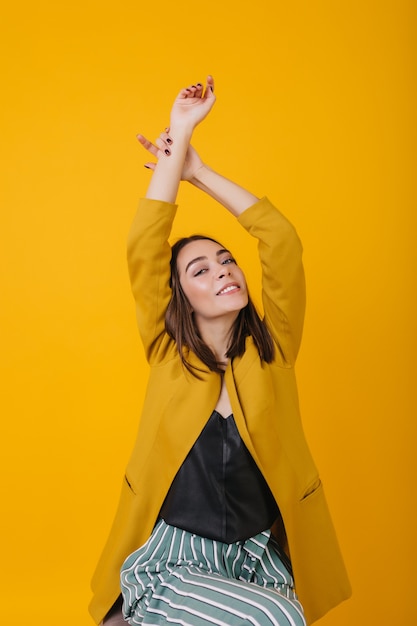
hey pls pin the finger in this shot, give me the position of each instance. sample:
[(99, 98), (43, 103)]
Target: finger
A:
[(142, 139), (163, 147), (166, 137), (184, 93), (199, 90), (148, 145), (209, 85), (191, 91)]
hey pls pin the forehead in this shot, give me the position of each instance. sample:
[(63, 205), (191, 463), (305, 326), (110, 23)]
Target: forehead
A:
[(196, 249)]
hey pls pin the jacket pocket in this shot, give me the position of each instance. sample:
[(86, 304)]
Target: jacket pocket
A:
[(313, 488), (129, 484)]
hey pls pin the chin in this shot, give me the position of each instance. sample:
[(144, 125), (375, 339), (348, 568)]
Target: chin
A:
[(239, 306)]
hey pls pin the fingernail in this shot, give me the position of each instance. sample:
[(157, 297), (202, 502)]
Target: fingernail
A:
[(211, 87), (199, 85), (147, 167), (169, 140), (167, 152)]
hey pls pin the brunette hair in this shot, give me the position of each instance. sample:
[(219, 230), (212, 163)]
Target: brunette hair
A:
[(180, 326)]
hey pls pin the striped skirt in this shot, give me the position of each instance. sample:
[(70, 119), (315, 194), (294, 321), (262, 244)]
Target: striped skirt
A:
[(180, 578)]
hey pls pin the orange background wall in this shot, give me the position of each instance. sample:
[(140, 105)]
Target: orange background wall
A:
[(316, 109)]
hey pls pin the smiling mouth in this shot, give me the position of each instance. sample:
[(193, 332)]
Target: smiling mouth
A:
[(228, 289)]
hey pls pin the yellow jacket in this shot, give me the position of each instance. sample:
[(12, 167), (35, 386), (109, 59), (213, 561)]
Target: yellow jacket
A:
[(264, 402)]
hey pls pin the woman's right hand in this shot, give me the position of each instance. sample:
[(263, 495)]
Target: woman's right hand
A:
[(192, 105), (178, 161)]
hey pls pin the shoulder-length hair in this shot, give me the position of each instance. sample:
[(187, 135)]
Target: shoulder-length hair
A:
[(180, 325)]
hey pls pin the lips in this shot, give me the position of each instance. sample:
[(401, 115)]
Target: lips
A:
[(229, 288)]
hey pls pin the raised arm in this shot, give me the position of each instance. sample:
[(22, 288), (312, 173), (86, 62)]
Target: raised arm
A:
[(283, 283), (190, 107), (232, 196), (148, 250)]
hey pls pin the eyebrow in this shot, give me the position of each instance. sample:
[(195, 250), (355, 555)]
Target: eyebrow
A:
[(204, 258)]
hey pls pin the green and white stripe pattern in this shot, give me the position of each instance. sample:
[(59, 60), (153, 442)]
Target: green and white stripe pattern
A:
[(180, 578)]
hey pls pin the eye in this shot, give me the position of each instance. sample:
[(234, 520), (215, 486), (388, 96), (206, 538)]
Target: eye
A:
[(228, 260), (200, 271)]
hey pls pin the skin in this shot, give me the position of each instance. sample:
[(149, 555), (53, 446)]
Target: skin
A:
[(213, 283)]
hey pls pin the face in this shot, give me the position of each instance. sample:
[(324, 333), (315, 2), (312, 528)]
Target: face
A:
[(214, 285)]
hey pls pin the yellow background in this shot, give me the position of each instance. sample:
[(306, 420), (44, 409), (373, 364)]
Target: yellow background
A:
[(316, 109)]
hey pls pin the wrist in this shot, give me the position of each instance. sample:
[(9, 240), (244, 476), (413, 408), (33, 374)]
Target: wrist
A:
[(200, 175), (181, 131)]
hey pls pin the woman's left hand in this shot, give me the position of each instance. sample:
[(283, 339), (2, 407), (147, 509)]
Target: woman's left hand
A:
[(162, 149)]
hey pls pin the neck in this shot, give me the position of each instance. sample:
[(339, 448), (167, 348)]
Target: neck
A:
[(216, 335)]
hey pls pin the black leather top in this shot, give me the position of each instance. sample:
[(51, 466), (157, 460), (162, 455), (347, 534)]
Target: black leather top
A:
[(219, 492)]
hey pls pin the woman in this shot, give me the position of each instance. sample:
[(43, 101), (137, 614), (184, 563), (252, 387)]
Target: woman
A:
[(222, 517)]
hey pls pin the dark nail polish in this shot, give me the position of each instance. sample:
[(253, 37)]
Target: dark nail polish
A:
[(167, 152), (147, 167), (169, 140)]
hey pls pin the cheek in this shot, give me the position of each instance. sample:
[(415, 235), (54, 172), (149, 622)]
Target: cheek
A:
[(242, 279), (194, 291), (243, 283)]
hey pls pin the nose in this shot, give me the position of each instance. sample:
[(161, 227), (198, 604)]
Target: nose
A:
[(224, 271)]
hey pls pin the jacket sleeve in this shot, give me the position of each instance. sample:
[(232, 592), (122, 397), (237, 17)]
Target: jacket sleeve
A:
[(283, 283), (149, 254)]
